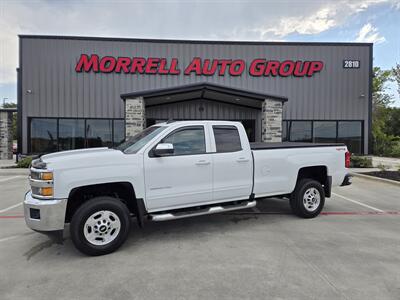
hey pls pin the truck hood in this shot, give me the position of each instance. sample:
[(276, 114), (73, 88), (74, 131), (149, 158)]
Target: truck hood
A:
[(83, 158)]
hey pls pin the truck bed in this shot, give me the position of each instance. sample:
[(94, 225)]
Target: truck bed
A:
[(288, 145)]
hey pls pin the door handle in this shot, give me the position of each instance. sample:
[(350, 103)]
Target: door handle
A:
[(242, 159), (202, 163)]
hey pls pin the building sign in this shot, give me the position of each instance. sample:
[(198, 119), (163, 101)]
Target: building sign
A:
[(198, 66)]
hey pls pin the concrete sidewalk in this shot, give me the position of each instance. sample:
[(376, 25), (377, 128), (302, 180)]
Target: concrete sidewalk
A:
[(391, 162), (7, 162)]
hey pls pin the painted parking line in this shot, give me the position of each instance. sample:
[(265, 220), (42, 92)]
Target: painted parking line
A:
[(10, 207), (12, 217), (359, 203), (11, 178), (359, 213)]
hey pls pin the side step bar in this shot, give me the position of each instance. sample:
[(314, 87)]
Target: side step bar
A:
[(201, 212)]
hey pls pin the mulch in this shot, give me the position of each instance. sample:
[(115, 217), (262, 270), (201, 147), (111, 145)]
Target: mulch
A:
[(392, 175)]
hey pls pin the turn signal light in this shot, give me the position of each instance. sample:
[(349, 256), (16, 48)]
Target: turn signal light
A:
[(347, 157), (46, 191), (47, 176)]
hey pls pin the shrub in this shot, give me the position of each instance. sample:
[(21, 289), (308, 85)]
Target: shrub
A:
[(361, 162), (25, 162), (394, 149)]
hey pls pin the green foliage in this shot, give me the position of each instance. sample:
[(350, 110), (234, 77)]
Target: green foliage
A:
[(10, 105), (396, 75), (361, 162), (385, 120), (25, 162), (380, 97)]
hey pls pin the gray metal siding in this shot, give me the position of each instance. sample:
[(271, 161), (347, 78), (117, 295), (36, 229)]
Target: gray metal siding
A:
[(48, 65)]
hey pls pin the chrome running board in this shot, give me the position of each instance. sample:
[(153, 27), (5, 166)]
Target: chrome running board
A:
[(206, 211)]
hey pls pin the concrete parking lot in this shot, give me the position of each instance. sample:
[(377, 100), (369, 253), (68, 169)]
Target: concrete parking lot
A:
[(351, 251)]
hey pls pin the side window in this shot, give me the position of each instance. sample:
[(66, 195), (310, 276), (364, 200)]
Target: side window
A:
[(227, 138), (187, 141)]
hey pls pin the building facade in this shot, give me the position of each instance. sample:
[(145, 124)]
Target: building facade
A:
[(76, 92)]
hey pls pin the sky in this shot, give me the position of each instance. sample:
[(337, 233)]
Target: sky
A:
[(376, 21)]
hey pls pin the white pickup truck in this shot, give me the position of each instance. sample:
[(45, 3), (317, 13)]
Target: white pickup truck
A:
[(174, 170)]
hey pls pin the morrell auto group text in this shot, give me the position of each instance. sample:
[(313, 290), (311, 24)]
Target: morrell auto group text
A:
[(208, 67)]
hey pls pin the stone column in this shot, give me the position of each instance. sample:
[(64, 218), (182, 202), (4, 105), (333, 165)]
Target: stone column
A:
[(6, 139), (135, 116), (271, 121)]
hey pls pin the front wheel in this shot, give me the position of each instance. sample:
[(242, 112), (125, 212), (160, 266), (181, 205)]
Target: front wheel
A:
[(100, 226), (307, 199)]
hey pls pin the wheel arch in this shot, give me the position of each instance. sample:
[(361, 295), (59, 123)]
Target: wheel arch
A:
[(122, 190), (318, 173)]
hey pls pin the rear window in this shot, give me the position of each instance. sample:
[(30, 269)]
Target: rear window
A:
[(227, 138)]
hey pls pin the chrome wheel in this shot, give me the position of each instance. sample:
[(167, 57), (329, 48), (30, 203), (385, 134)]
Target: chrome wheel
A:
[(102, 227), (311, 199)]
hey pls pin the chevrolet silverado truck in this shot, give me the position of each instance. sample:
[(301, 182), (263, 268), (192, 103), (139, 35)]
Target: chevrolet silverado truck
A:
[(175, 170)]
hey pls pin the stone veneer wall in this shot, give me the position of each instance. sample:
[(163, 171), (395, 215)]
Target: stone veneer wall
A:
[(135, 116), (271, 121), (6, 140)]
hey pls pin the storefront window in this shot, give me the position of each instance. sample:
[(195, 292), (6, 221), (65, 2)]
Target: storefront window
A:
[(324, 132), (43, 135), (98, 133), (350, 133), (71, 134), (119, 132), (300, 131)]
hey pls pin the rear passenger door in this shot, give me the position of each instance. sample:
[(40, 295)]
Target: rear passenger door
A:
[(232, 164)]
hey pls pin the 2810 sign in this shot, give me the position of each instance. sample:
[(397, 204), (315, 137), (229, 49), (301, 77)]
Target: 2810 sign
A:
[(351, 64)]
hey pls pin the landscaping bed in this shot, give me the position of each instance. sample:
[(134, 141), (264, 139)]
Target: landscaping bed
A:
[(392, 175)]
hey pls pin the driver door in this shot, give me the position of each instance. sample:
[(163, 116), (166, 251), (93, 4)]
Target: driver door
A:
[(183, 178)]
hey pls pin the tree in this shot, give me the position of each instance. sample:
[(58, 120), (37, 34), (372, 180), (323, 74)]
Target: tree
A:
[(380, 97), (380, 102), (396, 75)]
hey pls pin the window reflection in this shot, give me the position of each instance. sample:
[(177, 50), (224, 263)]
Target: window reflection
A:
[(350, 133), (43, 135), (324, 132), (71, 134), (119, 132), (300, 131), (98, 133)]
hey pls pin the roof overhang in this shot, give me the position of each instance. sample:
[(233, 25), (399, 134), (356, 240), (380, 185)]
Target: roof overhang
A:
[(203, 90)]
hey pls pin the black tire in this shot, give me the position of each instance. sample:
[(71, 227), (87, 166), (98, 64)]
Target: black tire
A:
[(301, 209), (85, 212)]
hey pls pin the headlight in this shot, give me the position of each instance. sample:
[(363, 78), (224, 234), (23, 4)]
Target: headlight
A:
[(42, 191), (42, 184), (46, 176)]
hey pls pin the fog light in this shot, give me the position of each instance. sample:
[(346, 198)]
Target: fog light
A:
[(34, 213), (46, 191)]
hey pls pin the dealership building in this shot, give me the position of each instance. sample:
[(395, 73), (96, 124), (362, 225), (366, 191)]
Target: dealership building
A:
[(78, 92)]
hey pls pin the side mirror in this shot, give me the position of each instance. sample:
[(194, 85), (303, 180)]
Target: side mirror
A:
[(164, 149)]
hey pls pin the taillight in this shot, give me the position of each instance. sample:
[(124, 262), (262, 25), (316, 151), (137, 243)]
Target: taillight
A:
[(347, 157)]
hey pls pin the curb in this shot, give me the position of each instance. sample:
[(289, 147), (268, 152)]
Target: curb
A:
[(373, 178)]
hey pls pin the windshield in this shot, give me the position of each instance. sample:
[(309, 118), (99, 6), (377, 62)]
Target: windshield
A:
[(135, 143)]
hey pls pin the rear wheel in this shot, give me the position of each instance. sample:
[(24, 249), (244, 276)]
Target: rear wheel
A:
[(308, 198), (100, 226)]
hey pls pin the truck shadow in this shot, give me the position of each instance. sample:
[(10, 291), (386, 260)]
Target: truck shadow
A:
[(267, 212)]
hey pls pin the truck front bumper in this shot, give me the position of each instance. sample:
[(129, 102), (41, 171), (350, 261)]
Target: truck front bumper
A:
[(44, 215)]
